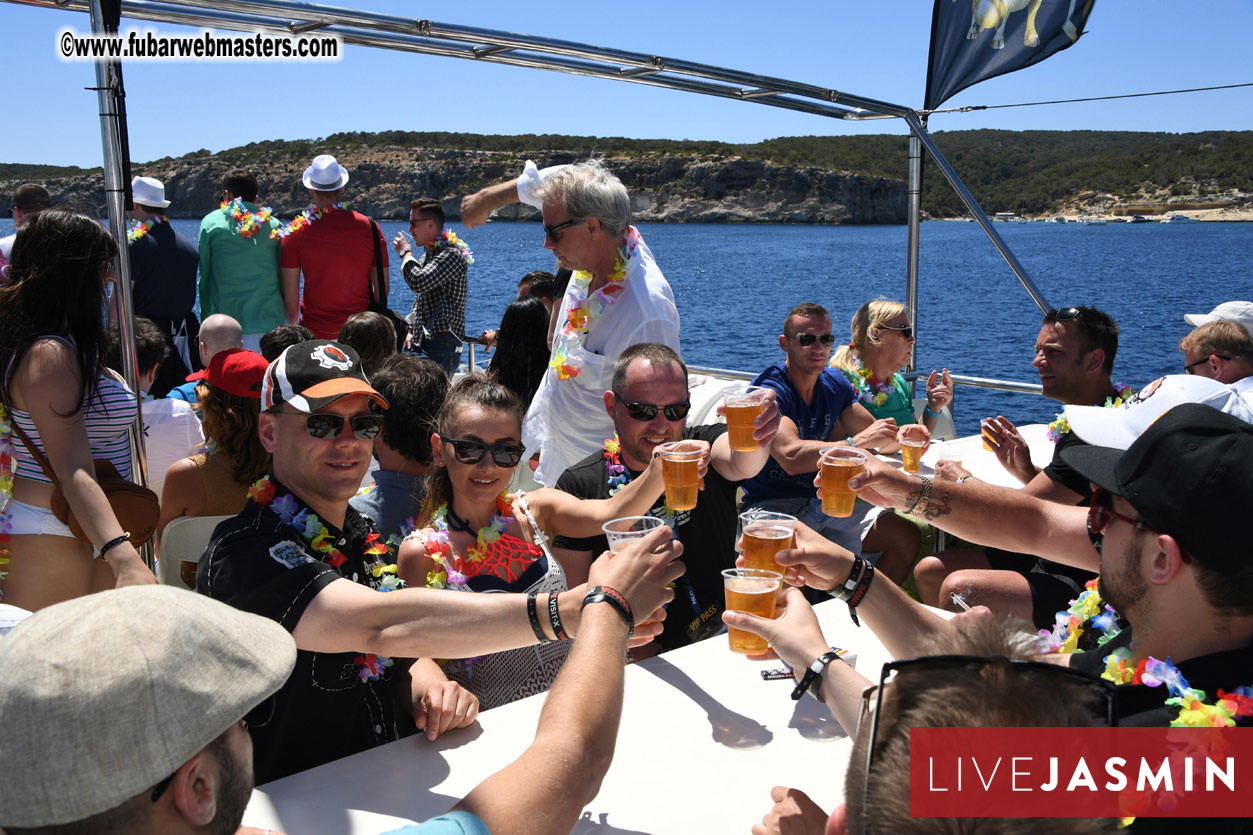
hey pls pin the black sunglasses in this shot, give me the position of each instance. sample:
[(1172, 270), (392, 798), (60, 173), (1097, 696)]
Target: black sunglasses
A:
[(1101, 511), (647, 411), (470, 451), (1066, 314), (551, 231), (1188, 368), (907, 331), (807, 339), (323, 426)]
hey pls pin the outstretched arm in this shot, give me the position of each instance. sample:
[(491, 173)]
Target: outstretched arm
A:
[(475, 208)]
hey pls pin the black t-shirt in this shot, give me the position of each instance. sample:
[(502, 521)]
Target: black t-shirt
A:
[(327, 709), (1064, 474), (163, 273), (707, 533)]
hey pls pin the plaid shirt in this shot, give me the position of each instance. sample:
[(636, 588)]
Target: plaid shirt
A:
[(438, 281)]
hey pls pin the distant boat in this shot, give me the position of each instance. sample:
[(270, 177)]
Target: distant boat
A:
[(1139, 219), (1180, 219), (1055, 219), (1092, 221)]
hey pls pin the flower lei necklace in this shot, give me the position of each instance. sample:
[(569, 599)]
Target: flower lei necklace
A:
[(582, 310), (248, 223), (454, 572), (1061, 426), (6, 486), (311, 528), (870, 389), (1090, 612), (618, 475), (304, 219), (450, 239), (136, 229)]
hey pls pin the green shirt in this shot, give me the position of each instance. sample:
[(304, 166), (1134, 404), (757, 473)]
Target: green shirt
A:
[(899, 404), (238, 275)]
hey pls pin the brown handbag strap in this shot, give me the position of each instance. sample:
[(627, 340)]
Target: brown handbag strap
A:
[(35, 453)]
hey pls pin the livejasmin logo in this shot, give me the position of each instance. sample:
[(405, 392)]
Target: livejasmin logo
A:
[(1081, 772)]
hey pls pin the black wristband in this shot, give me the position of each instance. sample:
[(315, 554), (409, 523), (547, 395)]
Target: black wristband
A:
[(554, 618), (812, 680), (863, 585), (113, 543), (846, 589), (532, 612), (615, 598)]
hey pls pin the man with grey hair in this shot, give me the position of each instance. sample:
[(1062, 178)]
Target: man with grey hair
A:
[(617, 297)]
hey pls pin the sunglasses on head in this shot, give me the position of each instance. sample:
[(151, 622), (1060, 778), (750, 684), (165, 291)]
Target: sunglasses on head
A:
[(907, 331), (323, 426), (807, 339), (647, 411), (469, 451), (1066, 314)]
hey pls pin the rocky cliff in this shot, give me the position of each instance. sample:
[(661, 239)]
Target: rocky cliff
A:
[(664, 188)]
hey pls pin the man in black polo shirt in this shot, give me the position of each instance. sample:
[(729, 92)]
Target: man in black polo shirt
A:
[(650, 380), (300, 555)]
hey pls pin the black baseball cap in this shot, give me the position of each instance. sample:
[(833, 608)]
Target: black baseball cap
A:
[(1190, 475), (312, 375)]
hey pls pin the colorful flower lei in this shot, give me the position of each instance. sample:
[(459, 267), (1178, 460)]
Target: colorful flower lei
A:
[(248, 223), (304, 220), (1060, 426), (6, 486), (136, 229), (450, 239), (1088, 610), (311, 528), (454, 572), (870, 389), (582, 311), (619, 477)]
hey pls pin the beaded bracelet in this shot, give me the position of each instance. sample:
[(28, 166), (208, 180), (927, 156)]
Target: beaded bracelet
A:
[(615, 598), (554, 618), (532, 612)]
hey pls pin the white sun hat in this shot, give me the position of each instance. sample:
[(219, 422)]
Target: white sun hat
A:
[(325, 174), (149, 191)]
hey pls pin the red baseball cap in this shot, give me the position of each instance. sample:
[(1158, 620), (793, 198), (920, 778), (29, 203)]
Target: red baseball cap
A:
[(235, 371)]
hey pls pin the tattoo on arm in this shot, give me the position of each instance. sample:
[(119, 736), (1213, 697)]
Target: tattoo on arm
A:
[(937, 507)]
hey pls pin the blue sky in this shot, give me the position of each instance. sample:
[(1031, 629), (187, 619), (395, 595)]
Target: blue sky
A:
[(878, 49)]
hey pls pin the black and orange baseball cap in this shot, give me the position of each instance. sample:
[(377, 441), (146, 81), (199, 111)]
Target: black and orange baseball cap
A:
[(312, 375)]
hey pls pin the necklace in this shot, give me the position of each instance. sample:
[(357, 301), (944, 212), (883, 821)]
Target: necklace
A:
[(247, 222), (306, 523), (870, 389), (450, 240), (1089, 612), (136, 229), (452, 571), (6, 485), (619, 477), (306, 218), (582, 310), (1060, 426)]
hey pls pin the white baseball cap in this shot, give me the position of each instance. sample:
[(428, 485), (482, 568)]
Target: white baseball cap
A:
[(1239, 312), (1119, 427)]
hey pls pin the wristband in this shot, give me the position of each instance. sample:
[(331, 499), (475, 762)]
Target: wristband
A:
[(554, 618), (406, 252), (963, 478), (850, 440), (532, 613), (113, 543), (929, 412), (607, 594), (812, 680), (846, 589)]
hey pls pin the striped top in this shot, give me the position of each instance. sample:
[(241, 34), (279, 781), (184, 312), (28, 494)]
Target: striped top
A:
[(108, 414)]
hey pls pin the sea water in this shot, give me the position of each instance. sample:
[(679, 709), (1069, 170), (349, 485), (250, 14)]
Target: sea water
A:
[(734, 284)]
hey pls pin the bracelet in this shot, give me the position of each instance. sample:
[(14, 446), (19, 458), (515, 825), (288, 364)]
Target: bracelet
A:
[(607, 594), (924, 497), (554, 618), (850, 440), (812, 680), (963, 478), (113, 543), (929, 412), (533, 614), (407, 252), (846, 589)]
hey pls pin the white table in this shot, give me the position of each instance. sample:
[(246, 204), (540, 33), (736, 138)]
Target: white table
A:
[(702, 741), (983, 464)]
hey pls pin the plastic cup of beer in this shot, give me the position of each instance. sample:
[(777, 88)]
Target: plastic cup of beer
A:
[(911, 450), (741, 409), (839, 464), (754, 591), (680, 468), (628, 529), (949, 454), (983, 433), (763, 534)]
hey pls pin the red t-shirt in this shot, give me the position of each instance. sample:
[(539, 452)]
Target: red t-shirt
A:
[(335, 254)]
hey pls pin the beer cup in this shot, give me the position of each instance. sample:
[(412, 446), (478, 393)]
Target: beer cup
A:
[(763, 534), (911, 450), (628, 529), (741, 409), (839, 464), (984, 435), (680, 469), (756, 592)]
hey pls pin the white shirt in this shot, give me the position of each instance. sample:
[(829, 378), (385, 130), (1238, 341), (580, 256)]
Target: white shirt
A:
[(1244, 388), (171, 432)]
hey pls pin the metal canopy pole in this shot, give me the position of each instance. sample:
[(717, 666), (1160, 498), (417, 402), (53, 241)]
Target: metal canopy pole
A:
[(107, 82), (914, 191), (917, 129)]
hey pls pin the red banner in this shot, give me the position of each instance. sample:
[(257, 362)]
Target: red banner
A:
[(1081, 772)]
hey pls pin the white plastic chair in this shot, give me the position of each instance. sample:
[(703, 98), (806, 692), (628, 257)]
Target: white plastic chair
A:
[(183, 541), (945, 429)]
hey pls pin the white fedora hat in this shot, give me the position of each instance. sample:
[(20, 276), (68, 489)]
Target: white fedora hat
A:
[(149, 191), (325, 174)]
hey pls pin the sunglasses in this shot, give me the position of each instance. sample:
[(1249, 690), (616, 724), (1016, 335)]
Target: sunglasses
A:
[(906, 331), (1066, 314), (551, 232), (1188, 368), (469, 451), (647, 411), (807, 339), (1101, 511), (323, 426)]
